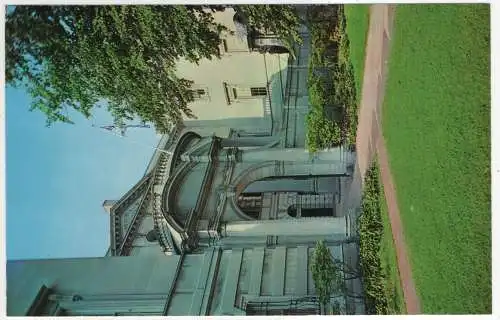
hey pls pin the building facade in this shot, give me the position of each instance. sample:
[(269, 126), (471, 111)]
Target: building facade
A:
[(226, 217)]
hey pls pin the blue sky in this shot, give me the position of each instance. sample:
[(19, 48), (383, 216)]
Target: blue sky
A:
[(58, 177)]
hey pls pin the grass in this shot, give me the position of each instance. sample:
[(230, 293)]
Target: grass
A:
[(436, 123), (357, 17), (393, 290)]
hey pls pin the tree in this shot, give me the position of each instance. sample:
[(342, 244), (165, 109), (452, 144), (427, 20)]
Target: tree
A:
[(75, 56), (280, 20), (328, 279), (326, 275)]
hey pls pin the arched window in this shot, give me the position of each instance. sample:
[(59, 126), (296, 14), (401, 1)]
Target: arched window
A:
[(292, 211), (152, 236)]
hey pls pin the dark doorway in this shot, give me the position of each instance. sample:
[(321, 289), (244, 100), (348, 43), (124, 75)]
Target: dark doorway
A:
[(251, 204), (317, 212), (292, 211)]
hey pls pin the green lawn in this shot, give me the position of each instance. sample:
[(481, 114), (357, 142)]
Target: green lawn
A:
[(436, 123), (394, 292), (357, 17)]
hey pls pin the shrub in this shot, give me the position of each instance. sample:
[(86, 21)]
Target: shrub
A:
[(370, 237), (322, 132), (332, 94)]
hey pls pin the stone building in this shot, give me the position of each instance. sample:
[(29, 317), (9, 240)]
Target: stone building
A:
[(226, 216)]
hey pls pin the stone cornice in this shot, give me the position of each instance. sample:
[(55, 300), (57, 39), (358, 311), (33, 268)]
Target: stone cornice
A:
[(117, 210), (141, 212)]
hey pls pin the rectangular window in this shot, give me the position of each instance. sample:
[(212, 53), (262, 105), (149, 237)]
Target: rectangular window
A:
[(258, 91), (235, 93), (230, 46), (222, 48), (200, 93)]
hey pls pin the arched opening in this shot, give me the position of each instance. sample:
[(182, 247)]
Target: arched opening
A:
[(292, 211), (268, 180), (152, 236)]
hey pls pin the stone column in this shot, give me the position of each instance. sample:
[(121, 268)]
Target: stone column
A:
[(287, 227), (248, 141), (291, 184), (299, 162), (294, 155)]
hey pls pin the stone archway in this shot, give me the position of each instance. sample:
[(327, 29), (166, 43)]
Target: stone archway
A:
[(245, 178), (273, 169)]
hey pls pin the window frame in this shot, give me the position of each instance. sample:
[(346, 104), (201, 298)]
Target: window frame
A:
[(197, 96), (237, 93)]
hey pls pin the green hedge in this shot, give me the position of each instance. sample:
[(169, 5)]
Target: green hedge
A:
[(332, 94), (371, 231)]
